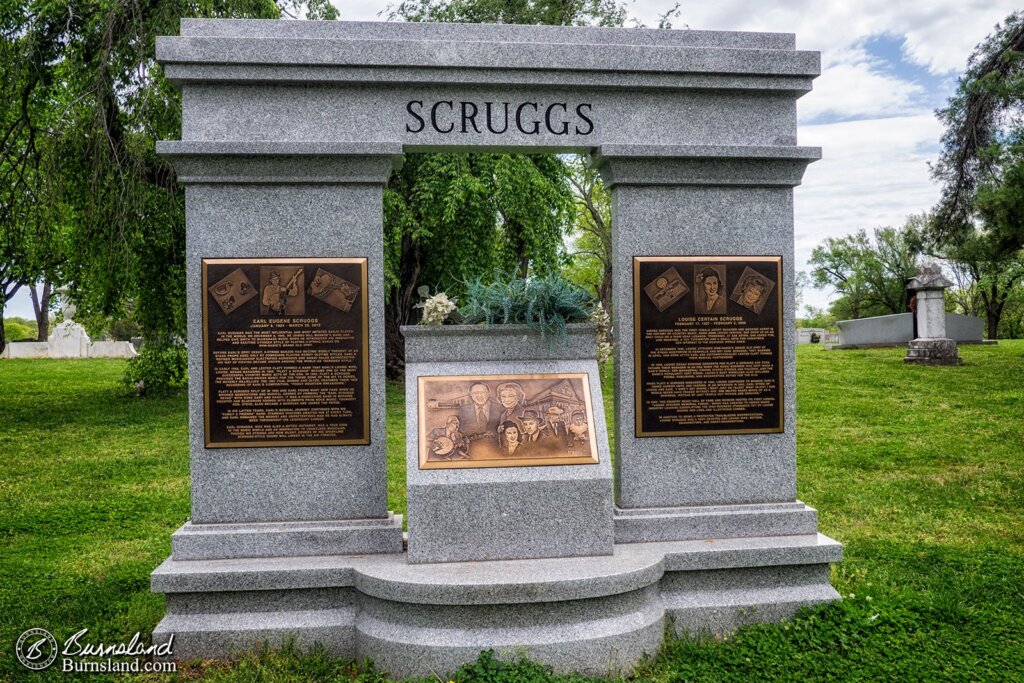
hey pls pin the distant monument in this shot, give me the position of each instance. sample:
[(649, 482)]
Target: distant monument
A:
[(68, 339), (932, 346)]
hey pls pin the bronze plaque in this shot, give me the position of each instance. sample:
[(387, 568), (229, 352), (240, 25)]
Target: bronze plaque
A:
[(285, 358), (707, 344), (505, 421)]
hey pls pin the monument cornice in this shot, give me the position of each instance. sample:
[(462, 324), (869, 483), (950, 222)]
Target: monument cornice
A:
[(230, 162), (765, 165), (214, 51)]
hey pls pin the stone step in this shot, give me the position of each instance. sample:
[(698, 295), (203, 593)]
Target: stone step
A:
[(210, 635), (640, 525), (391, 577), (288, 539), (726, 611), (603, 612)]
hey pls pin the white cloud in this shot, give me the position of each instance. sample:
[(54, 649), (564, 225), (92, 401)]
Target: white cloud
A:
[(363, 10), (939, 34), (873, 173), (857, 90)]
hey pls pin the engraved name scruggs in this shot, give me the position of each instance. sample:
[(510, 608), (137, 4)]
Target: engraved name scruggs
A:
[(499, 118)]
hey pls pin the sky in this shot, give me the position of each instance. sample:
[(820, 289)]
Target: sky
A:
[(887, 65)]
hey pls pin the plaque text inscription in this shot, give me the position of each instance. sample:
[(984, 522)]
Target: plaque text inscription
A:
[(285, 352), (707, 345)]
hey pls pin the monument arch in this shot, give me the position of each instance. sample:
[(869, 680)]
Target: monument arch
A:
[(290, 131)]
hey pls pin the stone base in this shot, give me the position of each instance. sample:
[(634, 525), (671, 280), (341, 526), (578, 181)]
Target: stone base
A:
[(599, 615), (561, 511), (287, 539), (643, 525), (932, 352)]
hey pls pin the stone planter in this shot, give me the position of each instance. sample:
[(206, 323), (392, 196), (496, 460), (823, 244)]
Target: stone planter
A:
[(498, 512)]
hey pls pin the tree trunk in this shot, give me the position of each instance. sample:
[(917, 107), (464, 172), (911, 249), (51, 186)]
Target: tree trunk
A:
[(398, 311), (41, 308), (394, 347), (5, 295), (993, 324), (994, 309)]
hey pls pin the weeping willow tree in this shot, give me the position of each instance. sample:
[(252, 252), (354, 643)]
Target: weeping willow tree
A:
[(450, 218), (83, 196)]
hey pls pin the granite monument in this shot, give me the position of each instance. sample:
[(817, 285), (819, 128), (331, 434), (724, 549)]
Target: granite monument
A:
[(289, 133)]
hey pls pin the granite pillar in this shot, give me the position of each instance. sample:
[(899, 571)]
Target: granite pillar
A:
[(253, 200), (716, 201)]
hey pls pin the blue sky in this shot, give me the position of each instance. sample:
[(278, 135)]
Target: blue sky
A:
[(886, 66)]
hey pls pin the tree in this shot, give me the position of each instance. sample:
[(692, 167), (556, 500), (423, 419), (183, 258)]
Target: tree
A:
[(1011, 325), (590, 264), (83, 101), (449, 218), (869, 274), (982, 143), (986, 274), (550, 12), (41, 308), (838, 262), (817, 317), (979, 222)]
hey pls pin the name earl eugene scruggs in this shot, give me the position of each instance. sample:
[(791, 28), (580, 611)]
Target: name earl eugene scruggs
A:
[(498, 118)]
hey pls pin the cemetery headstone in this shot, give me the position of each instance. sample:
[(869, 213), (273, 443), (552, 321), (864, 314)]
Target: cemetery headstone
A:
[(932, 346)]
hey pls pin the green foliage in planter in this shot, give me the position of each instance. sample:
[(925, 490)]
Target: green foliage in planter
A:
[(545, 304)]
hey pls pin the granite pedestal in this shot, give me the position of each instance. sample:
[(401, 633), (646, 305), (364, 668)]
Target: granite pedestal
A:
[(600, 615), (500, 513)]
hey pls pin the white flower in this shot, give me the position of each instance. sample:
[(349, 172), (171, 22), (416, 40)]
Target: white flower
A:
[(437, 308)]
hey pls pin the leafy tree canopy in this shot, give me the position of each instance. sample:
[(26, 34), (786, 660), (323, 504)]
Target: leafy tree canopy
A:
[(982, 161), (550, 12), (590, 264), (80, 185), (869, 273)]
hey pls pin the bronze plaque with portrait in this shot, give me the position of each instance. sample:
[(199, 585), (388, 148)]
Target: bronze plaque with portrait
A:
[(707, 344), (285, 358), (505, 421)]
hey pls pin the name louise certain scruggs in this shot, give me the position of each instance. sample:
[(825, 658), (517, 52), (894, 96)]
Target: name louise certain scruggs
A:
[(529, 118)]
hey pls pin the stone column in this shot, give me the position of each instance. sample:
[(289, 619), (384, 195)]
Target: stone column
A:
[(932, 346), (261, 200), (693, 201)]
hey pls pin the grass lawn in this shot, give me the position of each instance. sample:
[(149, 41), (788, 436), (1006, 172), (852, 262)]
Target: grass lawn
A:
[(918, 471)]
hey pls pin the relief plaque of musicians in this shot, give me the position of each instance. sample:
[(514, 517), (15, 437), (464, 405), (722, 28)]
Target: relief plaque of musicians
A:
[(504, 418)]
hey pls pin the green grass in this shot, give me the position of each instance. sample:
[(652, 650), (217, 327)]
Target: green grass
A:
[(918, 471)]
